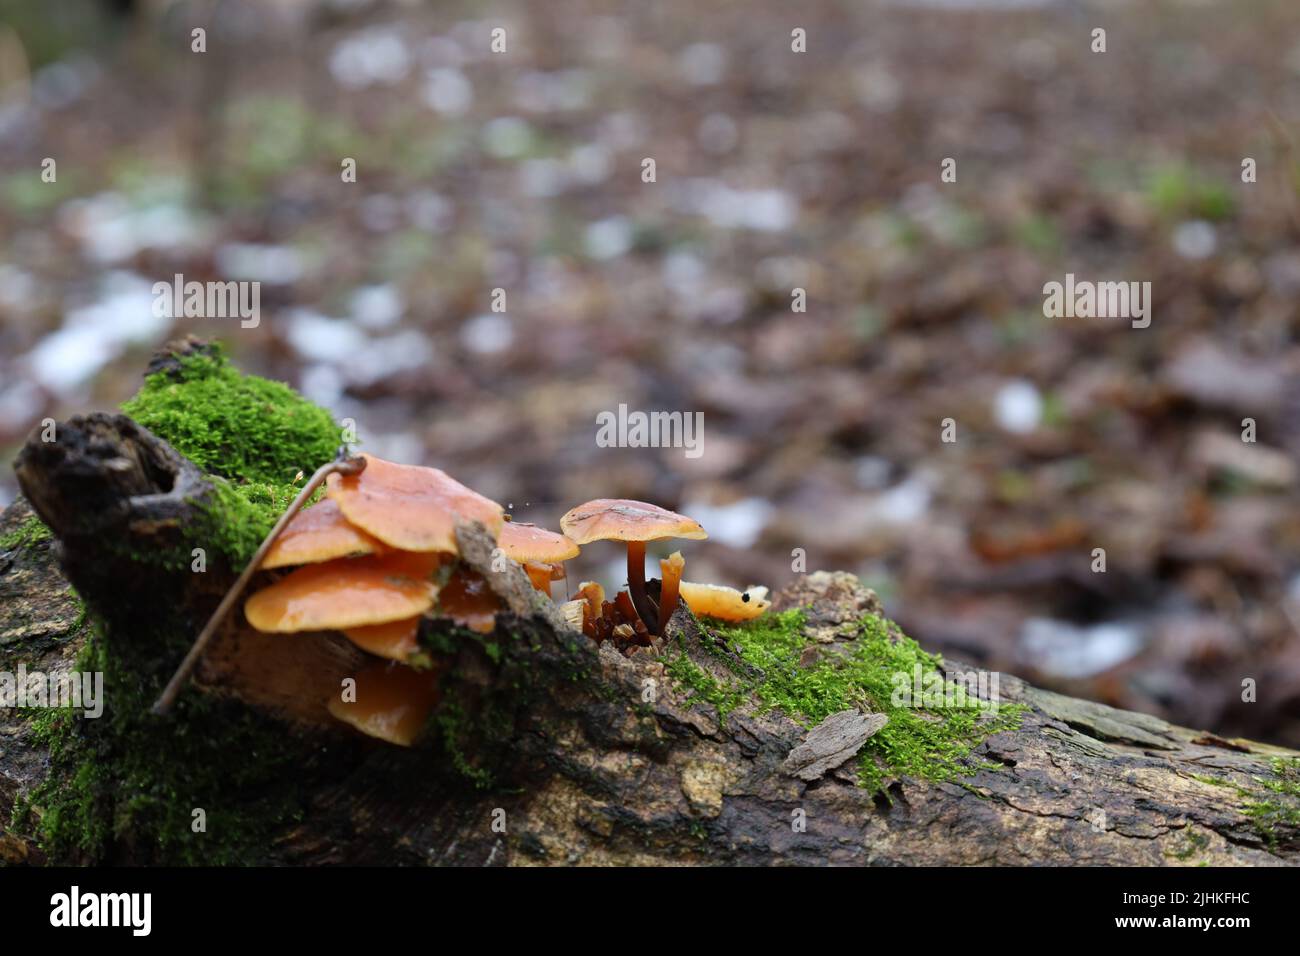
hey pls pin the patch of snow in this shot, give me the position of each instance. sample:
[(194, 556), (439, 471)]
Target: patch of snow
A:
[(1018, 407), (448, 91), (488, 334), (373, 57), (1068, 650), (738, 524), (609, 238)]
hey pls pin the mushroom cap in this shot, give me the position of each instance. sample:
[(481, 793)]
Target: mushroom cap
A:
[(724, 603), (319, 533), (527, 542), (393, 702), (621, 519), (344, 593), (395, 640), (411, 507)]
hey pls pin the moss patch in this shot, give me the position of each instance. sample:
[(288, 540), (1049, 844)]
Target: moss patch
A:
[(1276, 802), (251, 435), (30, 532), (237, 426), (1272, 803), (933, 743)]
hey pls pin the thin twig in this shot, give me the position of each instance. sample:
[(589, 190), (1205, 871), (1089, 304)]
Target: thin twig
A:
[(344, 465)]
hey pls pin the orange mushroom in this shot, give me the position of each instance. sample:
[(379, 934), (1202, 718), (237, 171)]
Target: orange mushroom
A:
[(392, 702), (346, 593), (594, 595), (395, 640), (316, 534), (411, 507), (634, 522), (670, 571), (541, 552), (724, 603)]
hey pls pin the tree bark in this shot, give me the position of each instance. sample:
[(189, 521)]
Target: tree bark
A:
[(586, 770)]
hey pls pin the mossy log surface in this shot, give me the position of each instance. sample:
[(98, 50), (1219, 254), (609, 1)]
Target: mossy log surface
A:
[(550, 752)]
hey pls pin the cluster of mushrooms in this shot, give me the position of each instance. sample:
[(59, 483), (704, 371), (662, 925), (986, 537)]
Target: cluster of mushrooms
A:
[(378, 555)]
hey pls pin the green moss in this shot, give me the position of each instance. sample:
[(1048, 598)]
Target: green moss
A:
[(1179, 191), (1276, 801), (1271, 802), (30, 532), (686, 673), (242, 515), (256, 434), (456, 734), (933, 743), (237, 426), (1194, 843)]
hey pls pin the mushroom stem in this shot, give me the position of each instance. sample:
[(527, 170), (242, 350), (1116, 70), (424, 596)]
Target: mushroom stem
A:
[(671, 570), (636, 584), (344, 465)]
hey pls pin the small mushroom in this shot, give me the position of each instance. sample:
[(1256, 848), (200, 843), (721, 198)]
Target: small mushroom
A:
[(541, 552), (594, 594), (410, 507), (635, 522), (724, 603), (316, 534), (670, 571), (345, 593), (393, 702), (395, 640)]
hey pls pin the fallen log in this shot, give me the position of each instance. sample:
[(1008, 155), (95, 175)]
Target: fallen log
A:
[(765, 745)]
